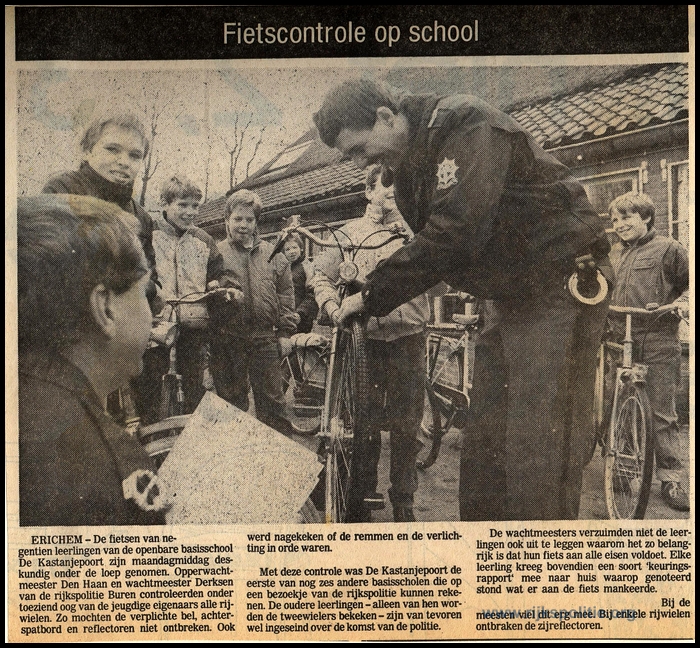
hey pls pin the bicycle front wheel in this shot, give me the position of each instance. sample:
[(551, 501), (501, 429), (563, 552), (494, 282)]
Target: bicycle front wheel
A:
[(347, 433), (629, 459)]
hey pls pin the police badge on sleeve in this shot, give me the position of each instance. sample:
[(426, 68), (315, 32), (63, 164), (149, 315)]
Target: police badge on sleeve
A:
[(447, 174)]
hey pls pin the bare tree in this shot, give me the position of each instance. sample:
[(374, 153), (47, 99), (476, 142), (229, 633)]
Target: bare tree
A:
[(235, 146), (207, 171), (152, 112), (154, 102), (255, 152)]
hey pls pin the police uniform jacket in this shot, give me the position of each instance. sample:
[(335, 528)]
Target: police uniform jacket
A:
[(495, 215)]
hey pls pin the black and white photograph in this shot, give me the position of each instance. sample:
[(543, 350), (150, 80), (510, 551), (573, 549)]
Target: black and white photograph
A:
[(367, 293), (226, 167)]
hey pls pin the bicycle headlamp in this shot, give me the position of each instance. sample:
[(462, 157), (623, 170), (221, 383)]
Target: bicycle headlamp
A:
[(348, 271)]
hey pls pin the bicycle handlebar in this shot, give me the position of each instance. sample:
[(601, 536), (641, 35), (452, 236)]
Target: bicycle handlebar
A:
[(397, 232), (649, 309), (198, 297)]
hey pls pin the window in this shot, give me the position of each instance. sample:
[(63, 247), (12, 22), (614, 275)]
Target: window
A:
[(677, 177), (678, 207), (603, 188)]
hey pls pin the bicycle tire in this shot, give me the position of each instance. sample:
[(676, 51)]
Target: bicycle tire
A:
[(165, 399), (348, 432), (629, 457), (599, 389), (608, 359), (304, 411), (435, 431), (158, 438)]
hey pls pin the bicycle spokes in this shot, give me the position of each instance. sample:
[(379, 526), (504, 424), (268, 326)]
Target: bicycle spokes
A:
[(629, 458)]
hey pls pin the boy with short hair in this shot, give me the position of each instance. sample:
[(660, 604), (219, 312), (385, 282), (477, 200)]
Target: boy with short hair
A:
[(114, 147), (651, 268), (188, 261), (249, 339), (84, 323)]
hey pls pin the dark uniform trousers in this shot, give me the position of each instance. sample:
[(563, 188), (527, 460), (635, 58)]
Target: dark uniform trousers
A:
[(529, 437)]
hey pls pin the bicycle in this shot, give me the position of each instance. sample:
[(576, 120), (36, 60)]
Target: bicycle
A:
[(158, 438), (343, 430), (450, 371), (626, 422)]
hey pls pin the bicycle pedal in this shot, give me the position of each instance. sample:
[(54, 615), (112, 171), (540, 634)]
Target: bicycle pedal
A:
[(374, 502)]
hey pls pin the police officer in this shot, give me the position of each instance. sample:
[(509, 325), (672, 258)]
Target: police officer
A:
[(497, 216)]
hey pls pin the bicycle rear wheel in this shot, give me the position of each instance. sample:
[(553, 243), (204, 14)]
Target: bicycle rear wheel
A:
[(629, 459), (171, 396), (347, 433)]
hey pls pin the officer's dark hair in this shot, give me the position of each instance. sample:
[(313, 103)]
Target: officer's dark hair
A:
[(66, 246), (635, 203), (353, 105)]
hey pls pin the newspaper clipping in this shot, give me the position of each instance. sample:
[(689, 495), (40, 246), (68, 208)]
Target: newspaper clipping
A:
[(316, 323)]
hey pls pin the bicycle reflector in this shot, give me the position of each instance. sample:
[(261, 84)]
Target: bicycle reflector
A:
[(348, 271)]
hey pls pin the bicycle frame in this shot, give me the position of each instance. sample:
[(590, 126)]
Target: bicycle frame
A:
[(448, 380), (627, 438), (158, 437), (628, 371), (452, 391), (332, 431)]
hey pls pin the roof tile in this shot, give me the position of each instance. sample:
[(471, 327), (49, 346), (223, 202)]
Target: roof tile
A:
[(645, 97)]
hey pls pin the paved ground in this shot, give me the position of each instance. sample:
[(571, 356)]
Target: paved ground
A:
[(437, 496)]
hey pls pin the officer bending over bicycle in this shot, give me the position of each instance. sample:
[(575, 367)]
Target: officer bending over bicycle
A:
[(498, 217)]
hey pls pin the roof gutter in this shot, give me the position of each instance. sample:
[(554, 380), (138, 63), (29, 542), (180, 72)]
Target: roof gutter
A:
[(618, 135), (306, 205), (631, 142)]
